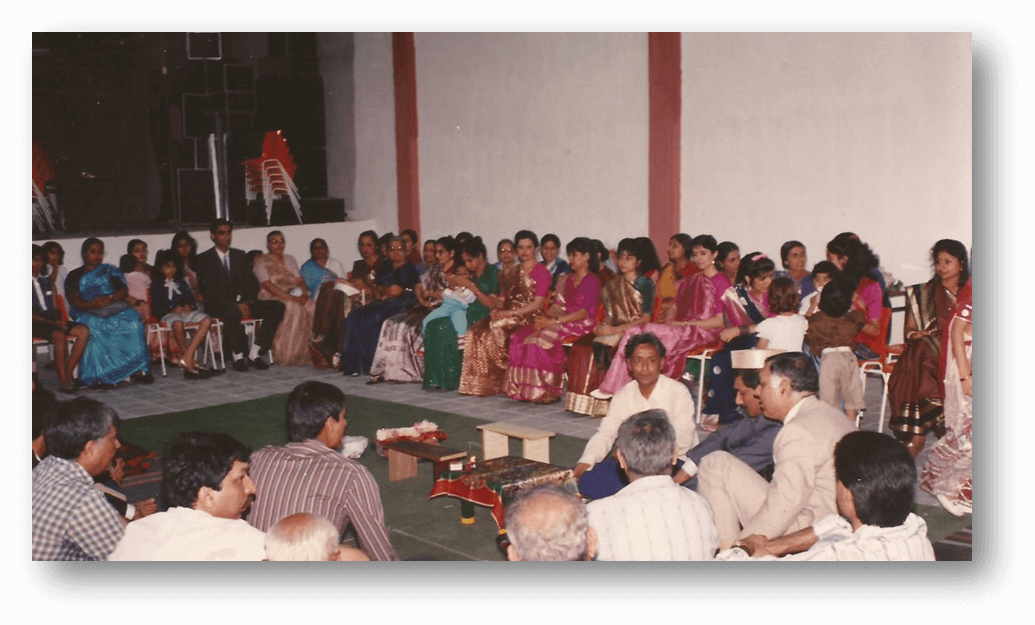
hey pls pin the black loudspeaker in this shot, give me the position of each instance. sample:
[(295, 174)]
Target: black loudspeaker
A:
[(204, 46), (197, 196)]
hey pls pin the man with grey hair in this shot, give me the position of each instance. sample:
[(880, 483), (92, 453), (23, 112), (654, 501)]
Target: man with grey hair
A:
[(802, 489), (652, 518), (547, 524), (307, 537)]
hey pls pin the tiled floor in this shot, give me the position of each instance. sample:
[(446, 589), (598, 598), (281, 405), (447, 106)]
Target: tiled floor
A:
[(174, 393)]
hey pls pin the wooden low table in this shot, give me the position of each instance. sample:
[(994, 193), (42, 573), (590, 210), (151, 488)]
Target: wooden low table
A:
[(494, 483), (496, 441), (403, 456)]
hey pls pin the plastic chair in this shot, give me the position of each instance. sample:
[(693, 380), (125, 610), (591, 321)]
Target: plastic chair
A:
[(702, 356), (883, 365)]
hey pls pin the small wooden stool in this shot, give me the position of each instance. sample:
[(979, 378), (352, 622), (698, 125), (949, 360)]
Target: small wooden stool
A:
[(496, 441), (403, 455)]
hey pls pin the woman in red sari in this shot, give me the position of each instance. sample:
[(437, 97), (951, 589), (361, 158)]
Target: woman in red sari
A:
[(523, 289), (695, 325), (536, 371)]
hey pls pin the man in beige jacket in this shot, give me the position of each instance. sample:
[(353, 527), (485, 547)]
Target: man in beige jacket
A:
[(802, 489)]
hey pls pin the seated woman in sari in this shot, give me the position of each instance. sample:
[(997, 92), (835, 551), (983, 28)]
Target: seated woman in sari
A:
[(680, 249), (365, 270), (186, 249), (442, 357), (628, 300), (281, 280), (393, 293), (523, 290), (745, 305), (728, 260), (97, 299), (915, 389), (948, 471), (322, 275), (536, 371), (398, 357), (550, 250), (794, 259), (695, 325)]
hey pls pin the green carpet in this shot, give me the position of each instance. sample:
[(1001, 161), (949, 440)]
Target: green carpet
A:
[(420, 527)]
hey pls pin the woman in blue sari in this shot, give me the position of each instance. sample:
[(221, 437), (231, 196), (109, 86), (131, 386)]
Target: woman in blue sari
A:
[(745, 305), (394, 291), (97, 299)]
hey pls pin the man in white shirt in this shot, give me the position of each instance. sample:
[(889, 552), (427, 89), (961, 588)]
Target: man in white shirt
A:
[(206, 489), (599, 475), (652, 518), (876, 480)]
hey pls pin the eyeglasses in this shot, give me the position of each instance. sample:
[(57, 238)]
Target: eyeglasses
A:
[(395, 249)]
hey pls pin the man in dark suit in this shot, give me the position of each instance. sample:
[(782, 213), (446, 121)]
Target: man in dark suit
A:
[(229, 289)]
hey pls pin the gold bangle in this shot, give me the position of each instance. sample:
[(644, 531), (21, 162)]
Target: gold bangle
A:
[(969, 375)]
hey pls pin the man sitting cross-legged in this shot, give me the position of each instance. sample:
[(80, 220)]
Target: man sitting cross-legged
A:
[(876, 481), (802, 489), (205, 489), (598, 474), (652, 518), (307, 537), (309, 474)]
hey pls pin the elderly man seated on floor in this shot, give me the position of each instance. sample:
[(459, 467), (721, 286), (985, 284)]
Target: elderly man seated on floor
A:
[(308, 537), (206, 489), (549, 524), (652, 518), (876, 481)]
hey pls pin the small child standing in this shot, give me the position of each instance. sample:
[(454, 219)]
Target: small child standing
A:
[(174, 303), (786, 330), (822, 274), (133, 265), (831, 333), (454, 305)]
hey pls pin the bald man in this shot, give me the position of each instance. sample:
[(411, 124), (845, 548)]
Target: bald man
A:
[(308, 537), (548, 523)]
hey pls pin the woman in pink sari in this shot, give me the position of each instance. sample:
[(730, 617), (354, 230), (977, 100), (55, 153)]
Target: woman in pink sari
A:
[(696, 324), (536, 370)]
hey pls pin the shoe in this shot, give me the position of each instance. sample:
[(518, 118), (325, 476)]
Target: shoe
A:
[(142, 377), (375, 379), (259, 364), (77, 385), (599, 394), (191, 375), (102, 386), (241, 365)]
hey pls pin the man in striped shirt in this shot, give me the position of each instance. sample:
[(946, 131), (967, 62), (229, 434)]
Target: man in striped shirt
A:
[(652, 518), (309, 474)]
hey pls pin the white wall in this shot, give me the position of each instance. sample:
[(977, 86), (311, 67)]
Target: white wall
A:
[(544, 131), (375, 192), (803, 135)]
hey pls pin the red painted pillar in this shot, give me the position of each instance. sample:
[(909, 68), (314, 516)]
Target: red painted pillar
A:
[(666, 81), (404, 64)]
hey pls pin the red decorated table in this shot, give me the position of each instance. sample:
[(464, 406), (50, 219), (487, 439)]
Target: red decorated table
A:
[(494, 483)]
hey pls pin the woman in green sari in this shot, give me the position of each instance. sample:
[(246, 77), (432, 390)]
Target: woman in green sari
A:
[(442, 357)]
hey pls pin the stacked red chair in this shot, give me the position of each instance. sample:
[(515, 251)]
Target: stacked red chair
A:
[(44, 208), (272, 175)]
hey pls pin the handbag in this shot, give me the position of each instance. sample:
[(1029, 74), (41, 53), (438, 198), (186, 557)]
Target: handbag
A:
[(113, 308)]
